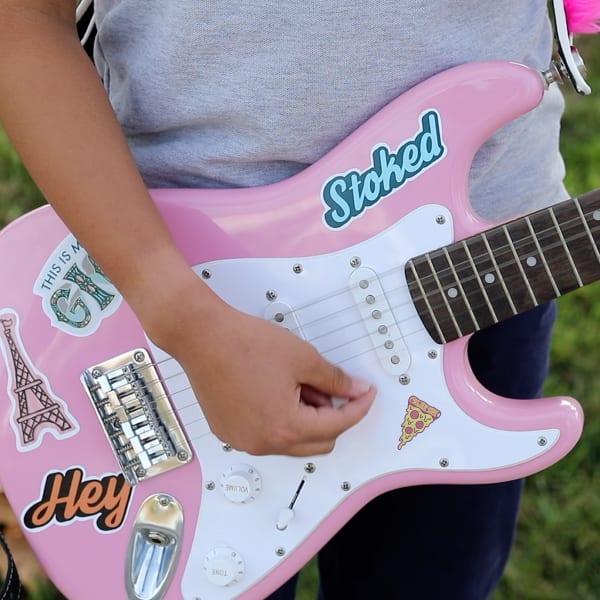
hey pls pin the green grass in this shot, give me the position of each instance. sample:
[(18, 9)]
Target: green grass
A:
[(557, 552)]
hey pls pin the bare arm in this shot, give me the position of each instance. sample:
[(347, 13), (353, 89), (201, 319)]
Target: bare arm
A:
[(56, 113)]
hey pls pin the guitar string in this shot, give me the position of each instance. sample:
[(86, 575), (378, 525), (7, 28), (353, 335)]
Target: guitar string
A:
[(517, 276), (419, 329), (352, 307), (404, 334), (478, 260)]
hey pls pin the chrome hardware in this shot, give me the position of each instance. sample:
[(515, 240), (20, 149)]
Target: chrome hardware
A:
[(566, 62), (136, 414), (355, 262), (154, 547), (374, 308)]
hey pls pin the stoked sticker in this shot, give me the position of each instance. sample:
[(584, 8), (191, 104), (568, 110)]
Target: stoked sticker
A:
[(348, 195), (76, 295)]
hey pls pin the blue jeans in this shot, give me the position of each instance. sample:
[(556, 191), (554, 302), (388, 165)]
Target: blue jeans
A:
[(456, 543)]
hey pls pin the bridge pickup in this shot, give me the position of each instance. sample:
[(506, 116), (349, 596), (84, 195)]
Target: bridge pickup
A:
[(136, 415), (380, 322)]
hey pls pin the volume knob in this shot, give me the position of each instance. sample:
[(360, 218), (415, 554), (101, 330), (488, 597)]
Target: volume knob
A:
[(241, 484), (224, 566)]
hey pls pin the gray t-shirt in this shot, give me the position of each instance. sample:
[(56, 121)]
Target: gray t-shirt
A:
[(222, 94)]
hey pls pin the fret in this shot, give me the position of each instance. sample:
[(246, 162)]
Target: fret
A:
[(454, 293), (588, 231), (422, 303), (490, 278), (502, 249), (487, 303), (555, 251), (447, 297), (566, 248), (579, 241), (530, 261), (430, 301), (478, 313), (520, 266), (590, 206)]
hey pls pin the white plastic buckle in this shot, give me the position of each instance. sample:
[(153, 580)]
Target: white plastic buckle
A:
[(568, 55)]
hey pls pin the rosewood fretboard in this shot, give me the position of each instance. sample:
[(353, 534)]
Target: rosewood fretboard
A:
[(504, 271)]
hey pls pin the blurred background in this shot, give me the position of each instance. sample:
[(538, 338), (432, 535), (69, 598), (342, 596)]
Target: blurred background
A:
[(557, 553)]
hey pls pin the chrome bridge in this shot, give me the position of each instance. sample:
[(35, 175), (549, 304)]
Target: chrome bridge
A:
[(136, 415)]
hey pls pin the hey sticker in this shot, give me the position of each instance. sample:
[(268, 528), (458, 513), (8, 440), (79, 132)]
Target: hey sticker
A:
[(69, 496)]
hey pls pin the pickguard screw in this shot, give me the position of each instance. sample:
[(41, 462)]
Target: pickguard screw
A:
[(444, 462), (182, 455), (432, 354), (404, 379), (298, 268), (346, 487), (542, 441), (139, 357), (210, 486), (310, 467), (271, 295), (163, 501), (440, 219), (96, 373), (140, 472), (355, 262), (280, 551), (206, 274), (227, 448)]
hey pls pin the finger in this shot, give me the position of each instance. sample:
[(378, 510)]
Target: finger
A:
[(332, 381), (309, 395)]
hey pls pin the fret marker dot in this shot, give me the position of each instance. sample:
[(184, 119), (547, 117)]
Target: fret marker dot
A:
[(531, 261), (452, 292), (489, 278), (596, 215)]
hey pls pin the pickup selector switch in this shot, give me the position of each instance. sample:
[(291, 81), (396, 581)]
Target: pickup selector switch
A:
[(241, 483)]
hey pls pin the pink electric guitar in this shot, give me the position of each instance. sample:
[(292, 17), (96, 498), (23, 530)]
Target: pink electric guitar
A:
[(107, 459)]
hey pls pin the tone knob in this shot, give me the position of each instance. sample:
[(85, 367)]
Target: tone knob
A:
[(241, 483), (224, 566)]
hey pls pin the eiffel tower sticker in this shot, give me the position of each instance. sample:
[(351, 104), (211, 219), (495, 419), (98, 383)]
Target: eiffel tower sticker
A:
[(36, 409)]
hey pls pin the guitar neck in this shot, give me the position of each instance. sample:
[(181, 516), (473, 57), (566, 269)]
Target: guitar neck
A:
[(489, 277)]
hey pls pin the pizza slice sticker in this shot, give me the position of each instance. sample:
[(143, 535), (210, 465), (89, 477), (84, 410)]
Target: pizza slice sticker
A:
[(419, 415)]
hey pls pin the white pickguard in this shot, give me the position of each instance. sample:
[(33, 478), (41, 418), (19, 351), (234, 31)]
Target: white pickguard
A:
[(325, 309)]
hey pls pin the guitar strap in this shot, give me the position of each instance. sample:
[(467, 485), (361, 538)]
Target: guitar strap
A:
[(11, 590)]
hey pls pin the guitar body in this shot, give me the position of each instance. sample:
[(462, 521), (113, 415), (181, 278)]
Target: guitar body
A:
[(322, 253)]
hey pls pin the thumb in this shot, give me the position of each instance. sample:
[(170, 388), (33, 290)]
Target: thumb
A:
[(332, 381)]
